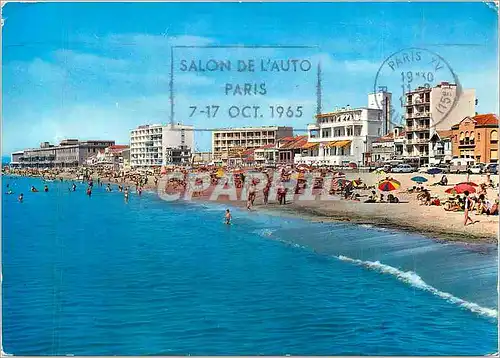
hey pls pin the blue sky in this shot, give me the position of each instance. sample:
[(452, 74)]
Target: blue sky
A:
[(97, 70)]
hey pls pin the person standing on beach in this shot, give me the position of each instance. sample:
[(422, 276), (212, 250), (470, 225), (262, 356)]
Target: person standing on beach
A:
[(228, 217), (266, 193), (467, 207), (251, 195)]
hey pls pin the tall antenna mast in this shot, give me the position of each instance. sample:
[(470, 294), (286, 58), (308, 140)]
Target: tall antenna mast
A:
[(318, 91)]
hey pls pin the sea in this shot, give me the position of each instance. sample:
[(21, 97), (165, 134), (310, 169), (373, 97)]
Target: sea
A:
[(101, 275)]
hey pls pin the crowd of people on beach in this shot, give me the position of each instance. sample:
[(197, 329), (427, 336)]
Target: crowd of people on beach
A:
[(178, 179)]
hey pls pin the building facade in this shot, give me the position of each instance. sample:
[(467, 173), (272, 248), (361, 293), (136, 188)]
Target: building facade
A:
[(229, 144), (440, 151), (346, 135), (389, 147), (476, 138), (428, 110), (69, 153), (156, 145)]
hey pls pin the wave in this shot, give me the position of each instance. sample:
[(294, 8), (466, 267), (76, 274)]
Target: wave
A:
[(265, 232), (415, 280)]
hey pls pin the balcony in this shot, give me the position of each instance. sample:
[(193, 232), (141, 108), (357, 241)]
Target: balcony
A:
[(418, 141), (466, 143)]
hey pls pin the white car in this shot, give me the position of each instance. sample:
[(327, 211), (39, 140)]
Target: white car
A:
[(403, 168), (424, 168), (477, 169)]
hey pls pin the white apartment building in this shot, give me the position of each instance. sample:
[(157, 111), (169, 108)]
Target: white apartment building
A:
[(428, 110), (229, 143), (346, 135), (156, 144)]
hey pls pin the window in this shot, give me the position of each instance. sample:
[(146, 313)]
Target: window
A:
[(478, 137), (462, 136), (494, 154), (494, 136)]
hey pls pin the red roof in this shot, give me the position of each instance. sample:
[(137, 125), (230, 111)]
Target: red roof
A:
[(296, 143), (486, 119), (445, 134), (118, 146)]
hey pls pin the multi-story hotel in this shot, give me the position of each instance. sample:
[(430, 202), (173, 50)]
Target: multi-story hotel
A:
[(346, 135), (156, 144), (431, 109), (229, 143), (69, 153), (476, 138)]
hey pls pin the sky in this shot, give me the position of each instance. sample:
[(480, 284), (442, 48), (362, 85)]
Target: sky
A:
[(98, 70)]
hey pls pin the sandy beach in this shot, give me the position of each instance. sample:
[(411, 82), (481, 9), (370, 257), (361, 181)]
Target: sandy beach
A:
[(409, 215)]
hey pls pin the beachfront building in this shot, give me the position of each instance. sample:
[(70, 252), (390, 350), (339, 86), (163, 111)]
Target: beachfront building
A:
[(389, 147), (69, 153), (267, 154), (476, 138), (345, 135), (288, 147), (228, 144), (154, 145), (201, 158), (428, 110), (441, 148)]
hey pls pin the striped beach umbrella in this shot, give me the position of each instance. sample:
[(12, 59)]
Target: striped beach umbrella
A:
[(388, 185)]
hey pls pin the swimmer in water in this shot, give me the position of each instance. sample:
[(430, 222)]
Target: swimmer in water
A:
[(89, 191), (108, 187), (228, 217), (126, 193), (46, 188), (21, 197), (33, 189), (73, 187)]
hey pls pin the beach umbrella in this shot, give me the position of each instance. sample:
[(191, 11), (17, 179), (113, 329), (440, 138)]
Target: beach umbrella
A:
[(434, 171), (388, 185), (461, 188), (467, 183), (419, 179), (356, 183)]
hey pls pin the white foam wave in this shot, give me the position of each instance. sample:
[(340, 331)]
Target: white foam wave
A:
[(265, 232), (415, 280)]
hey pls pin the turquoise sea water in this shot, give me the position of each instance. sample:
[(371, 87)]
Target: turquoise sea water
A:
[(99, 276)]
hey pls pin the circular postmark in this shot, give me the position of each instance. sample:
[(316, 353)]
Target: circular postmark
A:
[(423, 88)]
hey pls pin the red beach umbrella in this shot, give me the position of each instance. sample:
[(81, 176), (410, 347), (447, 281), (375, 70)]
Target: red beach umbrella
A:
[(461, 188), (467, 183)]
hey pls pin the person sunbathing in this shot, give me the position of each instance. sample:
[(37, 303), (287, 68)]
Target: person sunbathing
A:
[(494, 209), (392, 199), (372, 198)]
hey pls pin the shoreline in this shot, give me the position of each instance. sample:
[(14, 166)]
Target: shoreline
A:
[(389, 216)]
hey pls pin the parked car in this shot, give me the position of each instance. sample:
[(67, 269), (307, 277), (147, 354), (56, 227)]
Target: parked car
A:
[(491, 168), (424, 168), (461, 165), (477, 168), (444, 167), (403, 168), (386, 168)]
